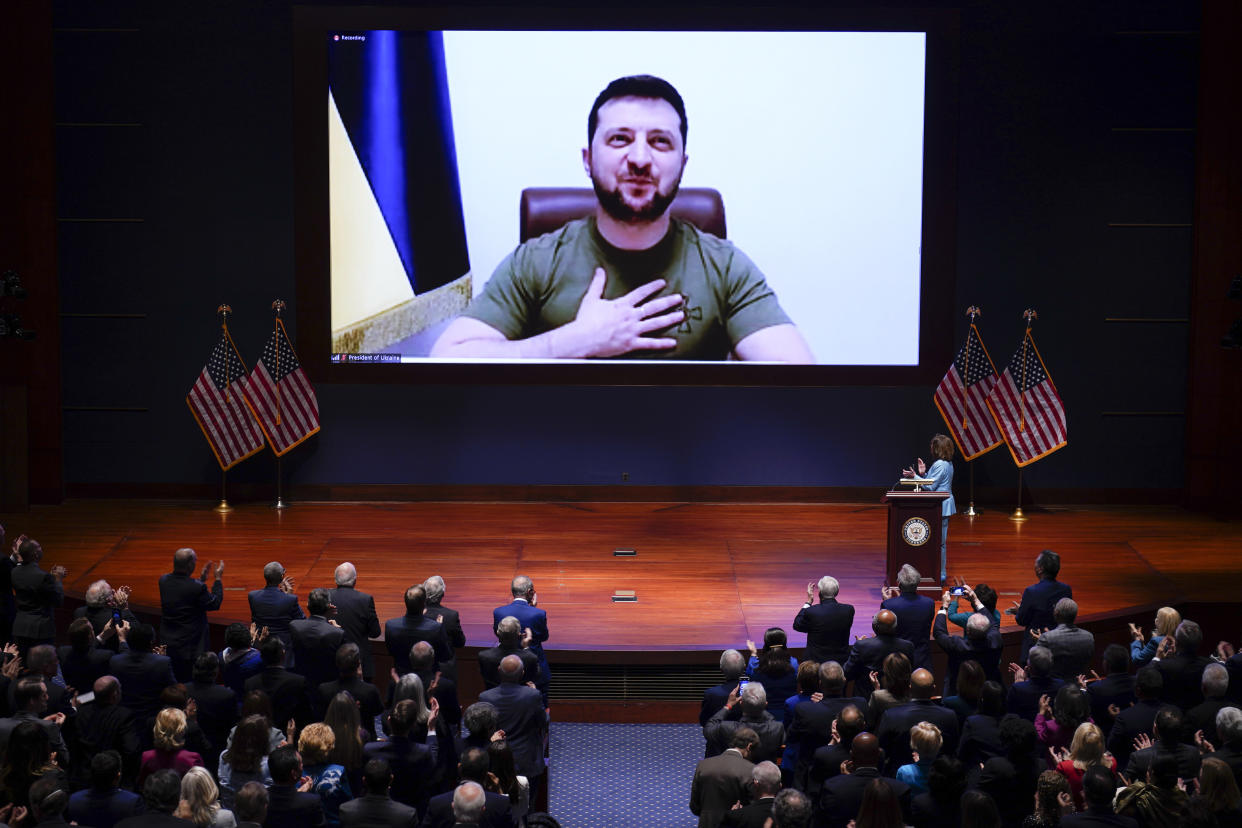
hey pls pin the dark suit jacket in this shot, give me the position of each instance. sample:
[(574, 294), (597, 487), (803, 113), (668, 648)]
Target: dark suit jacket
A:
[(1023, 697), (452, 631), (522, 718), (156, 819), (842, 795), (537, 620), (1115, 688), (827, 627), (400, 634), (959, 648), (103, 810), (496, 811), (914, 620), (287, 808), (810, 726), (315, 642), (868, 654), (287, 690), (99, 728), (1130, 723), (373, 811), (413, 766), (489, 666), (355, 612), (143, 677), (824, 765), (81, 669), (1035, 609), (184, 604), (1073, 650), (367, 696), (217, 713), (1188, 761), (926, 812), (754, 815), (724, 723), (718, 782), (276, 610), (37, 593), (980, 740), (54, 737), (1183, 679), (1103, 818), (714, 698), (99, 618), (446, 694), (1203, 717), (894, 730)]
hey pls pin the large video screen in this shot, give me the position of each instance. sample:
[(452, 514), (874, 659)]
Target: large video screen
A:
[(473, 218)]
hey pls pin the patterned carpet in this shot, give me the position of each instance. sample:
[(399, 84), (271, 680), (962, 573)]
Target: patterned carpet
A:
[(623, 775)]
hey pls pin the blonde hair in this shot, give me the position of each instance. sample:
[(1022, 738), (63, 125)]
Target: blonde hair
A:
[(316, 743), (200, 798), (1167, 620), (169, 729), (1087, 746), (926, 739)]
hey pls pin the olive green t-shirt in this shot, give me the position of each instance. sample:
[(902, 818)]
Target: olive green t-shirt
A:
[(539, 286)]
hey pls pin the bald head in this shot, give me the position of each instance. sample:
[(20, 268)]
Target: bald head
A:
[(184, 560), (511, 669), (346, 575), (922, 684), (884, 623), (865, 750), (107, 690), (422, 657)]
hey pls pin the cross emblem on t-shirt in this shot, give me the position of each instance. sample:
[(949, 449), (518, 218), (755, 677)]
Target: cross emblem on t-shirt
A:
[(695, 313)]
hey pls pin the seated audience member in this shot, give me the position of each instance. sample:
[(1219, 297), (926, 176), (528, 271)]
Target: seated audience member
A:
[(513, 641), (826, 762), (914, 614), (790, 809), (925, 742), (775, 669), (503, 778), (868, 654), (472, 768), (1030, 683), (30, 700), (49, 797), (1115, 689), (940, 806), (1132, 722), (1215, 687), (721, 781), (1182, 670), (986, 595), (1052, 800), (1099, 786), (765, 784), (841, 797), (1218, 790), (1142, 652), (216, 704), (104, 803), (161, 794), (239, 660), (1072, 647), (83, 659), (376, 807), (980, 739), (827, 625), (880, 807), (245, 759), (1039, 599), (286, 689), (1155, 801), (250, 806), (169, 751), (894, 687), (103, 725), (1229, 748), (969, 685), (1167, 737), (810, 724), (143, 674), (521, 716), (469, 801), (276, 605), (200, 801), (349, 680), (1085, 752), (438, 686), (412, 763), (346, 723), (1056, 723), (328, 779), (103, 605), (894, 730), (290, 804), (28, 757), (355, 612), (400, 634), (749, 710), (315, 640), (732, 666), (808, 686), (448, 618)]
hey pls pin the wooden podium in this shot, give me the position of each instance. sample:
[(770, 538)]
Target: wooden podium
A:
[(914, 535)]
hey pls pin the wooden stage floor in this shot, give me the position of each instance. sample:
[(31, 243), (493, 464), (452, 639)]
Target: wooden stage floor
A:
[(707, 576)]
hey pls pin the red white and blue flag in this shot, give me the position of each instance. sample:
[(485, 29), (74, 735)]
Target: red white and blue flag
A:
[(216, 403), (1027, 406), (280, 396), (962, 397)]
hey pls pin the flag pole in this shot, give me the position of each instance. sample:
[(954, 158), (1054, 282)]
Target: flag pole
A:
[(973, 312), (223, 506), (278, 306), (1029, 315)]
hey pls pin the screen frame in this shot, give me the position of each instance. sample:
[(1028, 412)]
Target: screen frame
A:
[(311, 28)]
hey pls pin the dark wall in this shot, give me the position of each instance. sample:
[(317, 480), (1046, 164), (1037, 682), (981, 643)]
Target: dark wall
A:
[(1075, 185)]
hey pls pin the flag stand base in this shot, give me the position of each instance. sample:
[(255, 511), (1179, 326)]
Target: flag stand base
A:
[(1017, 515), (971, 511), (223, 507), (280, 498), (280, 504)]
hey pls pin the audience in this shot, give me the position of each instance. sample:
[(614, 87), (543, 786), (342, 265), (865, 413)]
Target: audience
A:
[(721, 781), (1086, 751), (732, 667), (747, 710), (1035, 612), (376, 807), (448, 619), (275, 607), (775, 669), (355, 612), (534, 623), (868, 654), (1072, 647), (104, 803), (1142, 652), (914, 614), (184, 604), (765, 784), (827, 625)]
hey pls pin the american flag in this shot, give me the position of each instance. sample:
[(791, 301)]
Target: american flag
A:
[(962, 397), (1027, 406), (280, 396), (217, 405)]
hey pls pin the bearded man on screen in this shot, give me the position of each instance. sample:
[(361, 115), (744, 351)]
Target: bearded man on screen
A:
[(629, 281)]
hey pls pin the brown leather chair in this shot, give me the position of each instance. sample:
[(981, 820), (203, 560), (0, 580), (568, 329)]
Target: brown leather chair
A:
[(544, 209)]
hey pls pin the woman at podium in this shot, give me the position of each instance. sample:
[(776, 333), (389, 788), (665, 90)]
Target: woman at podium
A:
[(941, 475)]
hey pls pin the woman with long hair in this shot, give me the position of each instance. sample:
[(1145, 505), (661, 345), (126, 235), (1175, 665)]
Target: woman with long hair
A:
[(200, 801), (940, 806), (1218, 790), (245, 759), (346, 722), (503, 778), (893, 687), (970, 679), (979, 810), (1085, 750), (1056, 723), (259, 703), (29, 756), (1142, 652), (775, 669), (328, 779), (1052, 801), (410, 687), (880, 807), (169, 751)]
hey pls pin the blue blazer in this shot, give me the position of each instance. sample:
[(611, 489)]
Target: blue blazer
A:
[(942, 473), (271, 608), (527, 616), (914, 622)]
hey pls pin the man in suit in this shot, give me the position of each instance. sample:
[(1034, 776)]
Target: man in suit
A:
[(791, 809), (161, 794), (400, 634), (316, 640), (1202, 716), (914, 613), (1229, 732), (1030, 683), (1099, 786), (1135, 721), (184, 604), (1115, 689), (868, 654), (810, 723), (521, 716), (104, 803), (748, 709), (1072, 647), (1182, 670), (355, 612), (30, 701), (732, 665), (217, 706), (436, 685), (765, 784), (842, 795), (826, 763), (349, 680), (469, 802), (286, 689), (376, 809), (83, 660), (41, 662), (250, 805), (290, 804), (981, 643), (523, 608), (512, 641), (473, 767), (448, 618), (894, 729), (102, 604), (37, 594), (721, 781), (1040, 598), (1167, 734), (142, 673), (276, 605), (827, 626), (103, 726), (413, 764)]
